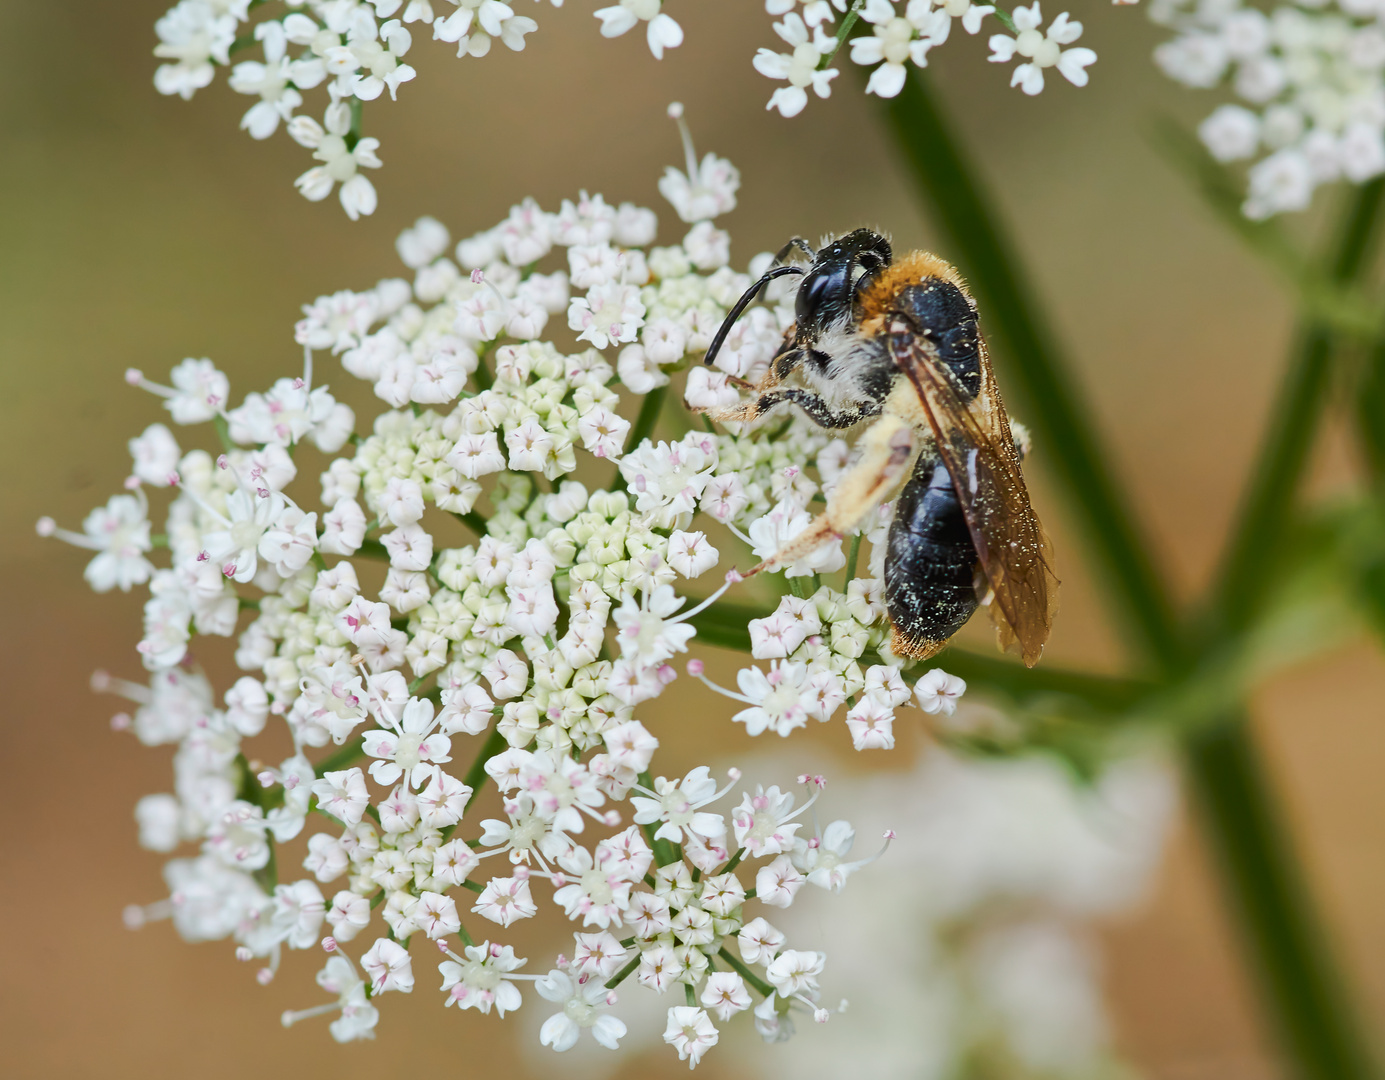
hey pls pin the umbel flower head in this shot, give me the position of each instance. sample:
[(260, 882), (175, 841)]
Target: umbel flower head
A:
[(458, 635)]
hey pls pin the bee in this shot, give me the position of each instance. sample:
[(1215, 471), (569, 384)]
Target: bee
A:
[(896, 343)]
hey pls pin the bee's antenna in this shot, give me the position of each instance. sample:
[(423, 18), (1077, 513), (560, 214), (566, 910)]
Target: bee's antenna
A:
[(740, 305)]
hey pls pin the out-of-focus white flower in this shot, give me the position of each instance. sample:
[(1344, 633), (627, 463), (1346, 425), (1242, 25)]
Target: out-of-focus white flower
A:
[(1309, 84)]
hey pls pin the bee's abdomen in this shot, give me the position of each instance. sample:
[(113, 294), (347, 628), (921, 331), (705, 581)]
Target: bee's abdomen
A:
[(930, 562), (942, 312)]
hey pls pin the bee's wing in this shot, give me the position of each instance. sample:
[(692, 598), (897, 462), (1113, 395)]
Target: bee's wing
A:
[(975, 443)]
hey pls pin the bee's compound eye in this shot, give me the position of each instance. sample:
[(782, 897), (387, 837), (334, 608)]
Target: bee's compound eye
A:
[(812, 294)]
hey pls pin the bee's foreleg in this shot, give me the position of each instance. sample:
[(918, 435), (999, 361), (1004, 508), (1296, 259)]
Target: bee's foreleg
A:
[(818, 409), (889, 447)]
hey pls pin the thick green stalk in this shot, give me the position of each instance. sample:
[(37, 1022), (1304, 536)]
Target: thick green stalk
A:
[(1301, 990), (1012, 318), (1370, 415), (726, 626), (1269, 901), (1255, 543)]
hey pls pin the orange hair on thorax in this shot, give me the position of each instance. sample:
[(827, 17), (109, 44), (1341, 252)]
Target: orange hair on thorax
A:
[(877, 297)]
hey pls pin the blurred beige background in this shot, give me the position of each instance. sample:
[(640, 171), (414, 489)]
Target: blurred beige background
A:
[(136, 230)]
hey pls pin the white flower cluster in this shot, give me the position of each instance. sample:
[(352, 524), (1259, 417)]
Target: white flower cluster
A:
[(1311, 78), (902, 33), (989, 896), (355, 50), (388, 649)]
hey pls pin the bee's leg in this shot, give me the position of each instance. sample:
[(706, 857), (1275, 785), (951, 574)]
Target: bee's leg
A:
[(786, 359), (889, 447), (818, 410)]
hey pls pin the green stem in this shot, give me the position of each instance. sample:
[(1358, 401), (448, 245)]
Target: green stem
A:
[(1269, 499), (852, 556), (1301, 991), (847, 23), (1370, 415), (1060, 419), (340, 759), (1025, 686), (476, 776), (745, 973), (726, 626), (223, 433), (267, 876), (624, 973), (353, 136), (664, 851), (473, 521), (1267, 893), (1330, 300), (373, 549)]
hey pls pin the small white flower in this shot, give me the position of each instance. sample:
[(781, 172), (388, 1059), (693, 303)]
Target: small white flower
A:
[(662, 33), (582, 1003), (341, 161), (1231, 133), (776, 884), (795, 971), (763, 822), (938, 692), (667, 479), (677, 806), (896, 40), (478, 981), (155, 455), (389, 967), (504, 900), (476, 22), (1042, 50), (871, 723), (779, 699), (343, 795), (799, 68), (609, 314), (119, 533), (773, 532), (414, 751), (1281, 182), (724, 993), (691, 1032)]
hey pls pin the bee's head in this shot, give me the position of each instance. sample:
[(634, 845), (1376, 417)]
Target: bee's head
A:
[(839, 271)]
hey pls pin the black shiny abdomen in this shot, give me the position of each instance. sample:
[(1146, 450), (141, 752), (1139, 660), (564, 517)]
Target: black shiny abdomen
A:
[(930, 564), (942, 314)]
